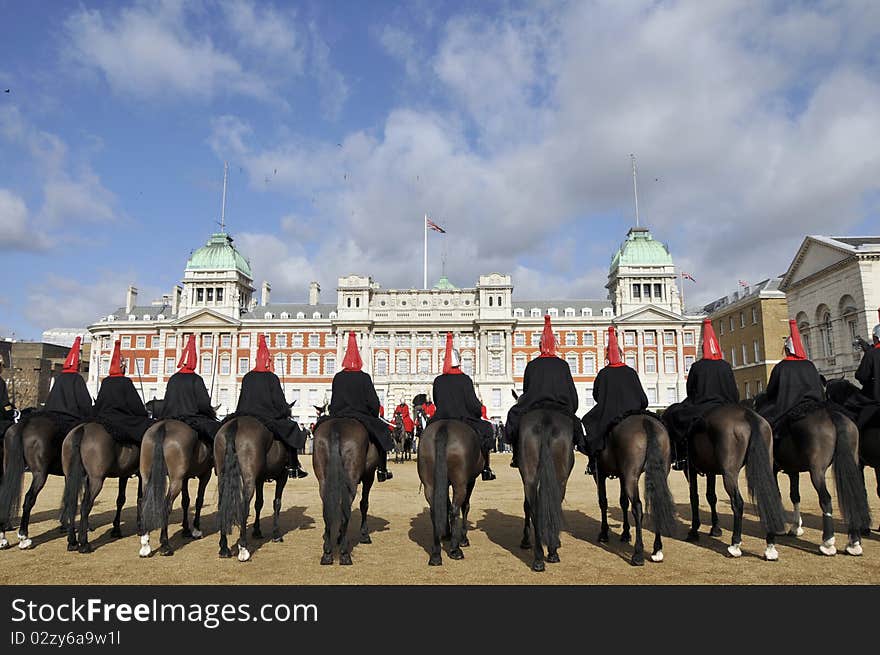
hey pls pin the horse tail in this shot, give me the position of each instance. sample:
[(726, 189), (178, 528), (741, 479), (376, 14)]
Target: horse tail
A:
[(13, 474), (441, 479), (231, 491), (658, 498), (548, 495), (761, 481), (337, 504), (851, 494), (75, 480), (155, 508)]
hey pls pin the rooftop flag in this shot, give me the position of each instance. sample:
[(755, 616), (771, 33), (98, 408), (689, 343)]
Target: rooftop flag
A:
[(687, 276), (432, 225)]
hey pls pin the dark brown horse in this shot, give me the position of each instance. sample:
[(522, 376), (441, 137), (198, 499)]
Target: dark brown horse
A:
[(638, 444), (246, 456), (728, 438), (90, 455), (34, 443), (343, 456), (449, 455), (546, 458), (402, 440), (841, 391), (818, 439), (171, 451)]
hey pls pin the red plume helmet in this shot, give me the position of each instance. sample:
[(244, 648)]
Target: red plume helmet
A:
[(613, 349), (116, 362), (451, 363), (188, 358), (264, 358), (548, 340), (796, 346), (71, 364), (711, 349), (352, 360)]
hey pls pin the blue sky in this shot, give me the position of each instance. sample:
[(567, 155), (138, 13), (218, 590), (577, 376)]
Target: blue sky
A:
[(343, 123)]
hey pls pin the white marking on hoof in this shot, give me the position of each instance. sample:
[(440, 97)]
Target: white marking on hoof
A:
[(196, 533), (24, 544), (4, 543), (20, 536), (771, 554), (735, 550), (796, 531), (243, 554), (145, 546), (854, 548), (657, 557), (828, 548)]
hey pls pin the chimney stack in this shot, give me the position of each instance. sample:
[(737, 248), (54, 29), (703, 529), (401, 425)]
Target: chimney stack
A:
[(130, 299), (314, 293), (264, 296), (175, 299)]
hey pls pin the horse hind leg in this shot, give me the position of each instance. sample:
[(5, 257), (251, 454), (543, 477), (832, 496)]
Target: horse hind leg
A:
[(174, 488), (93, 488), (344, 543), (603, 506), (817, 477), (200, 501), (276, 508), (526, 542), (694, 534), (458, 497), (257, 532), (38, 481), (465, 508), (116, 532), (794, 492), (367, 483), (625, 536), (632, 492), (737, 504), (249, 487), (712, 498)]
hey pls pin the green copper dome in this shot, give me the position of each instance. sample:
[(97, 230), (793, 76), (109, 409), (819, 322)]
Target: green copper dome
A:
[(444, 284), (640, 249), (219, 254)]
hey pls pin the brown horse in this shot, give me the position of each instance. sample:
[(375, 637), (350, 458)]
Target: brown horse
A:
[(728, 438), (449, 455), (343, 456), (171, 451), (546, 458), (638, 444), (816, 440), (246, 456), (34, 443), (90, 455)]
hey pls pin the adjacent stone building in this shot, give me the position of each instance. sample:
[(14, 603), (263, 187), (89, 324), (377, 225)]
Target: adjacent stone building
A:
[(31, 366)]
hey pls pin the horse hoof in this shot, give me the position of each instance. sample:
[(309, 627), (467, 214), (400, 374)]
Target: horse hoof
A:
[(365, 539), (657, 557), (456, 553), (225, 553), (866, 532), (186, 534), (277, 539), (25, 543), (435, 560), (771, 554), (603, 537), (85, 548), (115, 533), (166, 551), (326, 558), (538, 565), (196, 534), (257, 534), (145, 551), (345, 559), (625, 538), (4, 543), (854, 549), (735, 550), (796, 532), (465, 542), (553, 558), (71, 547), (637, 560), (243, 554), (715, 531), (525, 544), (692, 537)]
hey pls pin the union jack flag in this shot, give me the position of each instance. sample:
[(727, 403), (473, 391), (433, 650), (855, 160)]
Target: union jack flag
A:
[(432, 225), (743, 283), (687, 276)]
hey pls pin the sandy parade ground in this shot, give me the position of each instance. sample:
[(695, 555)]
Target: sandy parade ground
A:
[(400, 527)]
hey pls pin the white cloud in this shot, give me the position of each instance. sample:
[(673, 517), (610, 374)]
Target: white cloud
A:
[(267, 31), (17, 231), (402, 45), (331, 83)]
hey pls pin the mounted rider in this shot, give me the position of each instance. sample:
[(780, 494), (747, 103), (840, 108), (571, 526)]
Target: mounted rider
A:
[(403, 409), (868, 373), (262, 397), (7, 407), (354, 396), (795, 385), (547, 384), (710, 383), (118, 406), (456, 399), (186, 396), (69, 401), (617, 391)]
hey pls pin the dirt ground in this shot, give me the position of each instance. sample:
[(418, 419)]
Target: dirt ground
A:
[(400, 526)]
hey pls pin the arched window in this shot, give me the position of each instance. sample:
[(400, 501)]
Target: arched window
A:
[(569, 311), (381, 363), (424, 362), (490, 301), (803, 324), (207, 364), (519, 312), (357, 302), (553, 311), (316, 315), (348, 302), (296, 365), (586, 311), (403, 363), (268, 315), (467, 363), (280, 365), (849, 311), (285, 315), (499, 301), (300, 315), (826, 334), (535, 312), (330, 365)]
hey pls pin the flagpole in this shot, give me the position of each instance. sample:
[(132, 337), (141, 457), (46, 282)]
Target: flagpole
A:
[(681, 282), (425, 276)]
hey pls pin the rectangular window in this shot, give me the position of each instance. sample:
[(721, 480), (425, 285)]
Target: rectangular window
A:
[(650, 364), (650, 338), (754, 315), (652, 395), (243, 365), (126, 343), (296, 365), (646, 290), (495, 339), (572, 361), (571, 338), (689, 338), (733, 356), (588, 396), (745, 358), (171, 341), (314, 340), (721, 328), (629, 338), (297, 339), (637, 291), (207, 341), (519, 365), (207, 365), (280, 365), (154, 341), (169, 366), (669, 362), (536, 338), (142, 342), (381, 365), (495, 365), (748, 390), (330, 341), (154, 366), (631, 361), (589, 365), (200, 295), (210, 294), (281, 341), (219, 294), (671, 395), (731, 323), (519, 339), (688, 362), (759, 387), (225, 340), (244, 341), (742, 319), (757, 351), (496, 398), (330, 366), (139, 366), (224, 366), (589, 339), (658, 291), (315, 398), (669, 338)]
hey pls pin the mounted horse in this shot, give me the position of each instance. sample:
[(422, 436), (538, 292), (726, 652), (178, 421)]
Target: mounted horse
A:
[(638, 444), (89, 455), (546, 458), (171, 454), (343, 456), (727, 439), (402, 440), (246, 456), (449, 456)]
